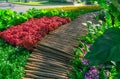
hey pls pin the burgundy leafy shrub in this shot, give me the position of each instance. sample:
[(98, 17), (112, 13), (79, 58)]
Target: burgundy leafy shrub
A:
[(0, 34), (29, 33)]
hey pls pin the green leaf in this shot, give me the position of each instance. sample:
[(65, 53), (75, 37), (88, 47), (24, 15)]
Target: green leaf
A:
[(106, 48), (114, 53)]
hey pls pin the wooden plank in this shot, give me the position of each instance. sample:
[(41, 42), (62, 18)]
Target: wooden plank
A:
[(57, 57), (38, 73), (32, 76), (55, 51), (46, 69), (48, 55), (58, 64), (44, 66), (45, 58)]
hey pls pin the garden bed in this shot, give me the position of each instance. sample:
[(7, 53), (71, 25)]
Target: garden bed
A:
[(14, 57)]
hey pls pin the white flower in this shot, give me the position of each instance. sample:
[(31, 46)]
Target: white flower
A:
[(89, 22), (85, 24)]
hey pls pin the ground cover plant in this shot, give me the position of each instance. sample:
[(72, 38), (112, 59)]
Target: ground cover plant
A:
[(13, 57), (29, 33), (97, 56), (12, 61)]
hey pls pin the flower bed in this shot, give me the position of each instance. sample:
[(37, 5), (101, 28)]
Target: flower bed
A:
[(29, 33)]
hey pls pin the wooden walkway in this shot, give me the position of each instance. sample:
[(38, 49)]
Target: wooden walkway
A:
[(51, 58)]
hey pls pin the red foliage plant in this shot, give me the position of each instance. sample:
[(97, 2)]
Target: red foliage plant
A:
[(29, 33)]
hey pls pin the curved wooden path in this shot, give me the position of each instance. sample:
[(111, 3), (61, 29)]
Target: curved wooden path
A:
[(51, 58)]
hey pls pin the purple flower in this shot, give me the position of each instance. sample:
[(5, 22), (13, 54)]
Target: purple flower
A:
[(92, 67), (85, 62), (92, 74)]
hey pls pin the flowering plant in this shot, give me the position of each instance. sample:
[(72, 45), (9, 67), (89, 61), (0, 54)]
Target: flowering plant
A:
[(29, 33)]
